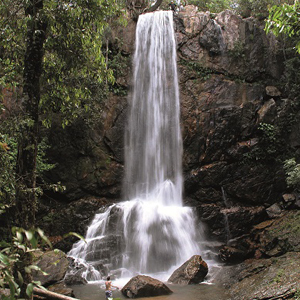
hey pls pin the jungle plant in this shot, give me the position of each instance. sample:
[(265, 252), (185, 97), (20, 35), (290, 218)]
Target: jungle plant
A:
[(14, 269), (269, 146), (292, 171)]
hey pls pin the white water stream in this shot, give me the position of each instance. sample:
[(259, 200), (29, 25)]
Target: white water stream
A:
[(151, 233)]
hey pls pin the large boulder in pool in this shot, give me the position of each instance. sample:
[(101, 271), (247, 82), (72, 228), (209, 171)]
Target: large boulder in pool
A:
[(144, 286), (54, 265), (192, 271)]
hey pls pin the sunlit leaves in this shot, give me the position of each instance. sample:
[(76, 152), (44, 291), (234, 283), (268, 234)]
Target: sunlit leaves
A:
[(285, 19), (12, 42), (73, 60)]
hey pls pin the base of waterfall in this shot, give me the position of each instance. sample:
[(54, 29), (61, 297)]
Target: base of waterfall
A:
[(136, 237)]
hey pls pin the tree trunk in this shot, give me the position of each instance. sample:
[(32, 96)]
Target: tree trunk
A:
[(27, 144), (155, 6), (51, 295)]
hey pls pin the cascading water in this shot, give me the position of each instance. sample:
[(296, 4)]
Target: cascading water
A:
[(152, 233)]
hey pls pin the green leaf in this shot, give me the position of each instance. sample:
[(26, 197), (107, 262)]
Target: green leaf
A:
[(74, 234), (29, 289), (44, 237), (20, 278), (4, 259), (19, 236), (29, 235)]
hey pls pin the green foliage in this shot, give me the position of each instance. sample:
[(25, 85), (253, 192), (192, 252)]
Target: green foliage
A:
[(74, 64), (292, 170), (246, 8), (297, 295), (284, 19), (214, 6), (12, 42), (9, 133), (24, 242), (256, 8), (74, 68), (269, 147), (41, 161), (8, 154)]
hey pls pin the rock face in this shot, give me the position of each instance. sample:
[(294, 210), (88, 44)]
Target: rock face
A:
[(145, 286), (192, 271), (275, 268), (225, 66), (238, 124)]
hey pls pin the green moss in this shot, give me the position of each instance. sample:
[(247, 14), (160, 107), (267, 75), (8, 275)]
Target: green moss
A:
[(197, 68), (278, 277), (238, 50)]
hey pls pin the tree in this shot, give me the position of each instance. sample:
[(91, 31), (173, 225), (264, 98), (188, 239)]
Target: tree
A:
[(59, 51), (285, 19)]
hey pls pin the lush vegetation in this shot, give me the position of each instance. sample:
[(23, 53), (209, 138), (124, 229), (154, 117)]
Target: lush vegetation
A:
[(51, 61)]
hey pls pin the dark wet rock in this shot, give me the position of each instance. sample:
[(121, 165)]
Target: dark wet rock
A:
[(55, 264), (192, 271), (274, 271), (75, 278), (231, 255), (145, 286), (230, 223), (59, 219)]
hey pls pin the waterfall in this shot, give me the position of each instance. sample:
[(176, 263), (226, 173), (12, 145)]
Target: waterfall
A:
[(152, 232), (153, 140)]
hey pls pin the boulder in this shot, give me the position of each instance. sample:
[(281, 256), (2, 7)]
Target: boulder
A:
[(272, 91), (192, 271), (232, 255), (55, 264), (145, 286), (74, 276), (274, 210)]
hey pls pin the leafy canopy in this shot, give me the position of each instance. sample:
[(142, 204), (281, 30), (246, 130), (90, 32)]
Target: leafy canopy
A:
[(74, 67), (285, 19)]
